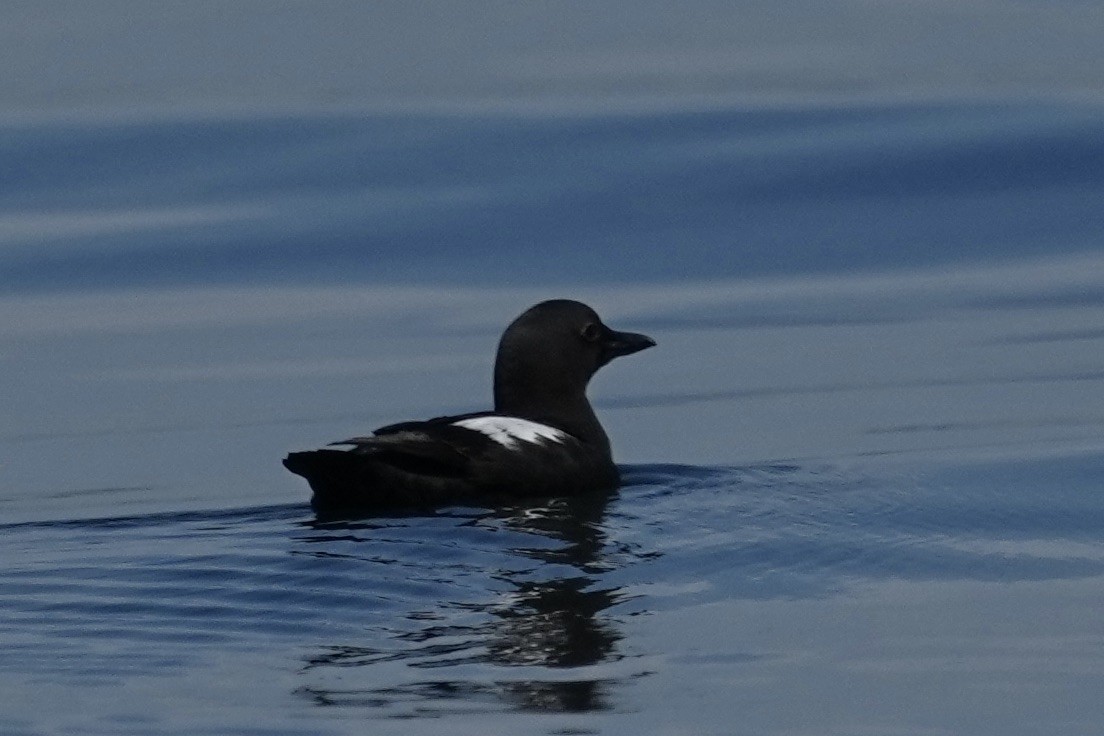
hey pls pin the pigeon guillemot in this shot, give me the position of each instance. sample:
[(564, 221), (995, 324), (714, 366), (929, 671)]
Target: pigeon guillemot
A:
[(542, 438)]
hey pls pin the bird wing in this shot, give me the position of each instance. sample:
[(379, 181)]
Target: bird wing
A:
[(432, 447)]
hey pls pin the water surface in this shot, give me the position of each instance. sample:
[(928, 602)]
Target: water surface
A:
[(862, 467)]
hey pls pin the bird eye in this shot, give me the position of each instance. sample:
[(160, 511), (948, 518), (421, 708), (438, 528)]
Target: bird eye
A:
[(591, 332)]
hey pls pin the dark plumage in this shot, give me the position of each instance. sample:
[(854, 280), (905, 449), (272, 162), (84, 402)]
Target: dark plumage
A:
[(541, 439)]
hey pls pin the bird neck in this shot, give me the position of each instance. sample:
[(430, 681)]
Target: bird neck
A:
[(569, 411)]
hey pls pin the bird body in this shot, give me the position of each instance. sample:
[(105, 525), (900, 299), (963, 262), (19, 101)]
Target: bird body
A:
[(542, 439)]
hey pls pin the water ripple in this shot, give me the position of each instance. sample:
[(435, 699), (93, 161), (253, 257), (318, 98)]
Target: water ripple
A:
[(518, 608)]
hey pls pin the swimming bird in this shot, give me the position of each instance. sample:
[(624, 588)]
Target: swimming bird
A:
[(542, 439)]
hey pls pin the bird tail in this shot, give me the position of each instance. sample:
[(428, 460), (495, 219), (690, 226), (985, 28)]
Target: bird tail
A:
[(339, 479)]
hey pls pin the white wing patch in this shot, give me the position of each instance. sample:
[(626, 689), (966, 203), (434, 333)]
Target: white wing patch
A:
[(508, 431)]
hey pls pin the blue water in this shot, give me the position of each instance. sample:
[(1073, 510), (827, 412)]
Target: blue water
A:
[(697, 598), (585, 199), (863, 466)]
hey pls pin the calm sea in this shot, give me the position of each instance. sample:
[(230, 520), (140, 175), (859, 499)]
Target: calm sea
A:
[(864, 468)]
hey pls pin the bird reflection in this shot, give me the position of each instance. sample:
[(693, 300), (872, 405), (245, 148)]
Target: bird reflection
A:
[(552, 614), (557, 622)]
